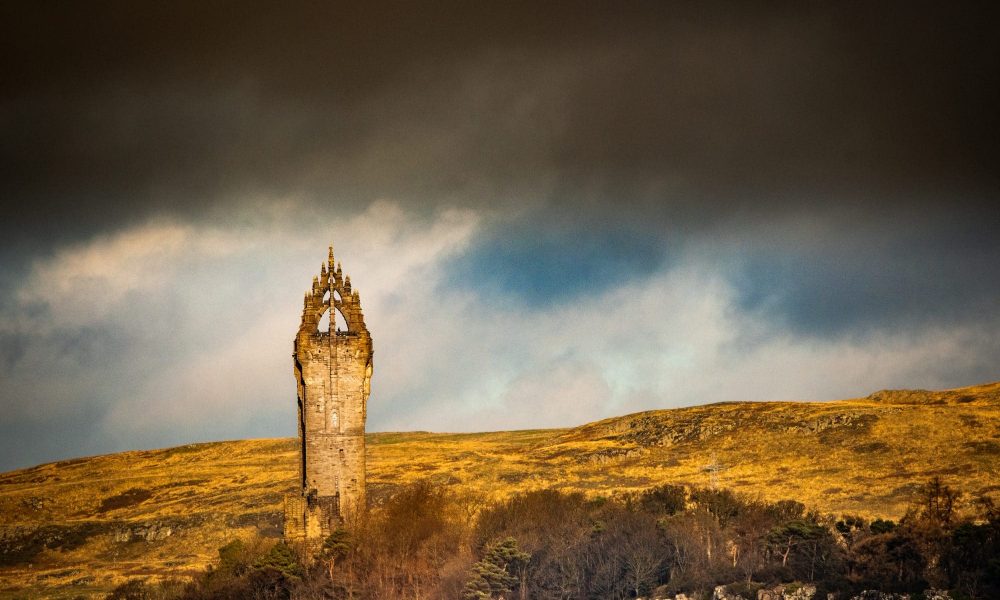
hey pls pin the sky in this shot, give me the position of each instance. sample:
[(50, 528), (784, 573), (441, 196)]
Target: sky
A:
[(554, 213)]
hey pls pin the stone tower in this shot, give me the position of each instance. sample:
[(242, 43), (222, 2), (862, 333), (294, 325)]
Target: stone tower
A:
[(333, 370)]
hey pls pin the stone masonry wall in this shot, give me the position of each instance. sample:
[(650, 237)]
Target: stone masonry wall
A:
[(333, 372)]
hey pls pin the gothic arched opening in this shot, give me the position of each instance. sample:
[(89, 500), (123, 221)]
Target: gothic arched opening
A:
[(339, 322)]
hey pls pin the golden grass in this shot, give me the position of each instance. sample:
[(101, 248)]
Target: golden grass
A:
[(863, 456)]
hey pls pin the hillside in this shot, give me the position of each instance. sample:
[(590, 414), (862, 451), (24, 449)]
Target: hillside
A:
[(79, 526)]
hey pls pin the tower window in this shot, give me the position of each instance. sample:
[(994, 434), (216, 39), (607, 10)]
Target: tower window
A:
[(340, 322)]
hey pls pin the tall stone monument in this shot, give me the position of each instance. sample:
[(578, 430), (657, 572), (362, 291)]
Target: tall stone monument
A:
[(333, 370)]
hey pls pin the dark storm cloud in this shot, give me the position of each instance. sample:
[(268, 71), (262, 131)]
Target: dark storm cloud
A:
[(12, 348), (65, 435), (116, 110), (822, 271), (938, 270)]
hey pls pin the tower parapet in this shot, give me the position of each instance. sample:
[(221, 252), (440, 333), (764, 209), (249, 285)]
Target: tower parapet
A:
[(333, 370)]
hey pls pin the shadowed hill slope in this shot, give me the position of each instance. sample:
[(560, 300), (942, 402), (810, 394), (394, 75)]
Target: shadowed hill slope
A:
[(80, 526)]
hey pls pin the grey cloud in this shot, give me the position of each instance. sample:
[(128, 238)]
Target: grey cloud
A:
[(685, 112), (65, 436), (858, 275)]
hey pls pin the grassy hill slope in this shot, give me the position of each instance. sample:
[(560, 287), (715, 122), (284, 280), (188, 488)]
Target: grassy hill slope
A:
[(80, 526)]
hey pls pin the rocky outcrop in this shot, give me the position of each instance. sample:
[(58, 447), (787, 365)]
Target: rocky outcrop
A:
[(858, 421), (720, 593), (982, 394), (610, 455), (150, 533), (788, 591), (930, 594)]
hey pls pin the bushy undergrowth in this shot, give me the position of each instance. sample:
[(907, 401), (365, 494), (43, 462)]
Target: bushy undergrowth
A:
[(426, 543)]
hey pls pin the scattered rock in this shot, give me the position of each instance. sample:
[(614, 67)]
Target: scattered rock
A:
[(614, 454), (34, 502), (720, 593), (877, 595), (826, 422), (148, 533), (788, 591)]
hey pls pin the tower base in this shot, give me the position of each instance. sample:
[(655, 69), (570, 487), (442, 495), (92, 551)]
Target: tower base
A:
[(309, 520)]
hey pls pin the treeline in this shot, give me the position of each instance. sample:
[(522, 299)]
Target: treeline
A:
[(425, 542)]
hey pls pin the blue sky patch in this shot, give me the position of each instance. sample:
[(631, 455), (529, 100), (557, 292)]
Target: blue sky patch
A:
[(542, 267)]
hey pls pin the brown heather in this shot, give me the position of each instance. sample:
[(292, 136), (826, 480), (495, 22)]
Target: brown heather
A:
[(79, 527)]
